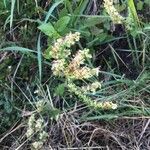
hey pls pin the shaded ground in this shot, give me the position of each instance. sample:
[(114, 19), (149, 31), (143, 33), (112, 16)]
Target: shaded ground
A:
[(122, 134)]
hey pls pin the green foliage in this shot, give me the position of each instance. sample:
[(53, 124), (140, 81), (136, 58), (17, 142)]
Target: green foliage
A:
[(120, 50), (48, 29), (54, 31), (60, 89), (62, 23), (8, 113)]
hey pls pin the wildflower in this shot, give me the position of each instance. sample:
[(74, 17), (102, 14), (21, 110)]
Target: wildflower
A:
[(75, 69), (84, 73), (58, 67), (29, 132), (78, 73), (40, 105), (37, 145), (95, 86), (80, 57), (43, 135), (113, 13), (109, 105), (92, 87), (60, 48), (39, 124), (35, 131), (70, 39), (31, 121), (95, 71), (87, 100)]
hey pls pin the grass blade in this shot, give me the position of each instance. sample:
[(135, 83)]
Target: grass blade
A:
[(51, 10), (39, 56), (17, 48), (12, 12)]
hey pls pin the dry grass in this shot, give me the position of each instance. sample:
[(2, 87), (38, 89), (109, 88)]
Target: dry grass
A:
[(69, 133)]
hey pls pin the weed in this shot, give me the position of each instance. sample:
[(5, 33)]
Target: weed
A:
[(82, 80)]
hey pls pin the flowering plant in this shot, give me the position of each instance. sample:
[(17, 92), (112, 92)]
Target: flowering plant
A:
[(75, 68)]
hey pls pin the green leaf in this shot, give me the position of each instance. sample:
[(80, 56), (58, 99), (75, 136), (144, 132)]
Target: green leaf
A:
[(12, 12), (140, 5), (47, 53), (63, 12), (90, 22), (147, 2), (59, 90), (62, 23), (134, 12), (54, 113), (48, 29)]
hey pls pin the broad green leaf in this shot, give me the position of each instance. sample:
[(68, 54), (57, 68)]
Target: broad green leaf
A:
[(89, 22), (62, 23), (48, 29), (63, 12)]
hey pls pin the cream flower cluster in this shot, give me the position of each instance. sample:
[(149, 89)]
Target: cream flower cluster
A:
[(36, 126), (73, 70), (113, 13), (92, 87), (58, 67), (40, 105), (88, 101), (36, 129), (63, 66), (60, 48)]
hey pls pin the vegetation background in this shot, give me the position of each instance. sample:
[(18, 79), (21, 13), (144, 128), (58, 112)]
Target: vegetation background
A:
[(27, 84)]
